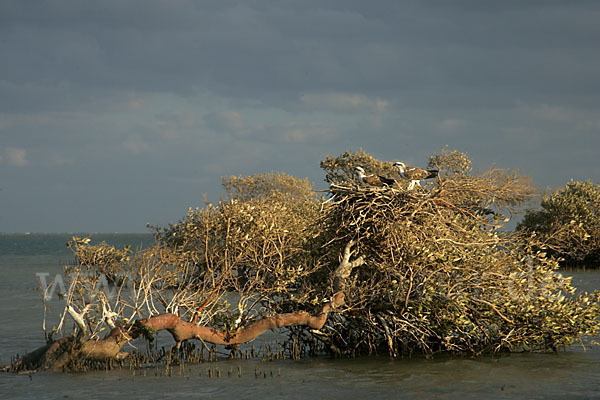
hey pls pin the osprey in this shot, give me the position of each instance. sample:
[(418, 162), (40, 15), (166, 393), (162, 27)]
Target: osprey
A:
[(415, 174), (372, 179)]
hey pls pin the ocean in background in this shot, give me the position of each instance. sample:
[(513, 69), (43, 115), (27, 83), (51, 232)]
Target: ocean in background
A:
[(53, 246), (572, 374)]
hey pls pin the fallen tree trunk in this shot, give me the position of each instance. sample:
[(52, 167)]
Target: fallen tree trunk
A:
[(59, 354)]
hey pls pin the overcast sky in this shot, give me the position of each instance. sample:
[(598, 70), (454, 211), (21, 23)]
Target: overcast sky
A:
[(118, 113)]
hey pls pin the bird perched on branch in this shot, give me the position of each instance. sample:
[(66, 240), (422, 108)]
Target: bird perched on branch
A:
[(372, 179), (415, 174)]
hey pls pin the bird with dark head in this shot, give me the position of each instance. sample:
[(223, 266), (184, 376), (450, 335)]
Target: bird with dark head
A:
[(372, 179), (415, 174)]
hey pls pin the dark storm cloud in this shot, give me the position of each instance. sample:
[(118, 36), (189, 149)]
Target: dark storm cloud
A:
[(248, 49), (130, 97)]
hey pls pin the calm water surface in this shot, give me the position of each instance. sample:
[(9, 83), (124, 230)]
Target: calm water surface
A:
[(573, 374)]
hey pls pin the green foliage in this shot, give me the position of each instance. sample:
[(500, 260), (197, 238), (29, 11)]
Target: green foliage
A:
[(341, 169), (569, 223), (450, 163), (257, 186), (438, 275), (148, 333), (436, 279), (254, 244), (102, 257)]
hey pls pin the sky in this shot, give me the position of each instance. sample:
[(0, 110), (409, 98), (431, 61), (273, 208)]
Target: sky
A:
[(115, 114)]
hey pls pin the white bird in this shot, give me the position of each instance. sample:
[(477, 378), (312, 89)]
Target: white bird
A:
[(372, 179), (415, 174)]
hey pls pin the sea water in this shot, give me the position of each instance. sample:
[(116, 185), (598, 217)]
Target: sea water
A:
[(570, 374)]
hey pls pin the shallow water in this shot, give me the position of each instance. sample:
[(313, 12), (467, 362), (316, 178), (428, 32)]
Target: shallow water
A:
[(572, 374)]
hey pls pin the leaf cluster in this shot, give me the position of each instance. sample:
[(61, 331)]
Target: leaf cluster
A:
[(102, 257), (569, 223), (257, 186), (340, 169)]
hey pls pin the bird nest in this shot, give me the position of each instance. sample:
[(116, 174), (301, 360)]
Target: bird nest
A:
[(378, 215)]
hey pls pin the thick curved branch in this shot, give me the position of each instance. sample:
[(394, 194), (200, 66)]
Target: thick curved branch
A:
[(182, 330), (57, 354)]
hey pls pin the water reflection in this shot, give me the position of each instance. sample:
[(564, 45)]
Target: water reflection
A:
[(566, 375)]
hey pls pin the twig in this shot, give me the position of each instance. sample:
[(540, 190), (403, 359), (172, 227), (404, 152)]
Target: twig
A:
[(510, 321)]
